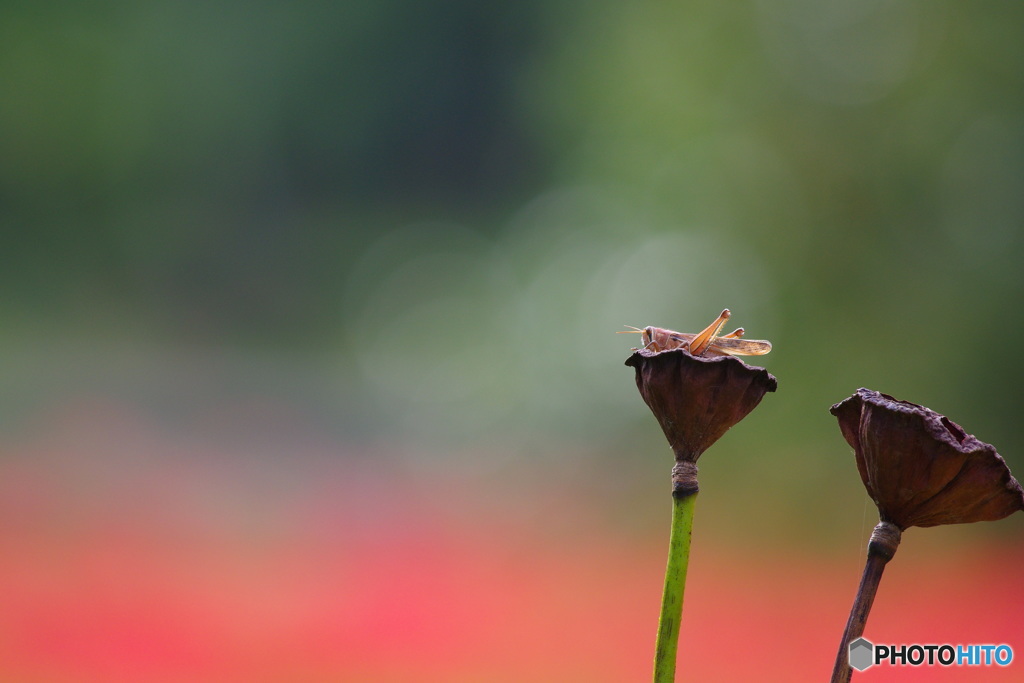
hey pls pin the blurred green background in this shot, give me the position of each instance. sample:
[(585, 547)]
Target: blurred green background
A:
[(407, 232)]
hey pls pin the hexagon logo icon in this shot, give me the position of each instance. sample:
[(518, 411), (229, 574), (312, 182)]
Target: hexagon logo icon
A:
[(861, 653)]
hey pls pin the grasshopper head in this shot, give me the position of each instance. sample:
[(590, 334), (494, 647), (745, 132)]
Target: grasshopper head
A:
[(656, 338)]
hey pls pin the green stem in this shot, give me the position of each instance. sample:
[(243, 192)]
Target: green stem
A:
[(675, 583)]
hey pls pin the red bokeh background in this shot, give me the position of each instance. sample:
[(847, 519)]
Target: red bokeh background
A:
[(130, 552)]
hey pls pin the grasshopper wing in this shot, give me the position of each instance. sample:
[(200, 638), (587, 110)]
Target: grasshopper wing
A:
[(741, 347)]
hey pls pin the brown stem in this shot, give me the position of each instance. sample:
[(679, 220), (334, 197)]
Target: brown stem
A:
[(882, 546)]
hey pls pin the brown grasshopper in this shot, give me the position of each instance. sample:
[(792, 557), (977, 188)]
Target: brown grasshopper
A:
[(706, 342)]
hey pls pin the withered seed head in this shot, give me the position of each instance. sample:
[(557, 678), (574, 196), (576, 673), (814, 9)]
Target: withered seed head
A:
[(696, 400), (920, 467)]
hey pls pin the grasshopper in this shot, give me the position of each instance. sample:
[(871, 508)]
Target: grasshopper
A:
[(706, 342)]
